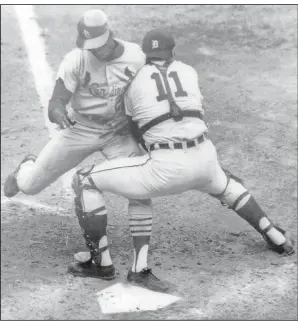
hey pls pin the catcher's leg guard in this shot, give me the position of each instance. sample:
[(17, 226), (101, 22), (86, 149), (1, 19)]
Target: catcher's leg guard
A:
[(92, 215), (237, 198)]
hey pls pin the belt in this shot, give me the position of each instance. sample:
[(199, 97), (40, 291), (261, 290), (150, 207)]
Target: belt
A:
[(83, 117), (182, 145), (94, 117)]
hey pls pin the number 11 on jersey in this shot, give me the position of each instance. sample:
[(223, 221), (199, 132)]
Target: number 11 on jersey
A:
[(162, 94)]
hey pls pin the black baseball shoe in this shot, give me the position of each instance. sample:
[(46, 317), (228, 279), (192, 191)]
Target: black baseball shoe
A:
[(89, 269), (287, 248), (11, 186), (148, 280)]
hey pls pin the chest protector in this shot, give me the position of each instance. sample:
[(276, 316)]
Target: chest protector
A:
[(175, 111)]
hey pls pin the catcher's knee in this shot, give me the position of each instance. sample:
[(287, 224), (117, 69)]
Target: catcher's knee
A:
[(235, 195), (82, 179)]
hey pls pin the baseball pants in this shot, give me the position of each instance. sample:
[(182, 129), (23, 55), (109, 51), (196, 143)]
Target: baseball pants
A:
[(162, 172), (67, 149)]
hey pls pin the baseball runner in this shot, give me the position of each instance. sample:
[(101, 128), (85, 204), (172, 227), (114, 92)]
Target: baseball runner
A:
[(164, 104), (93, 77)]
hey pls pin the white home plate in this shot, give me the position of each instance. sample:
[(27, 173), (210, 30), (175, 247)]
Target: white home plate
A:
[(120, 298)]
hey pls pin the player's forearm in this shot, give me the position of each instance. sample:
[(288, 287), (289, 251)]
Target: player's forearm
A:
[(60, 98)]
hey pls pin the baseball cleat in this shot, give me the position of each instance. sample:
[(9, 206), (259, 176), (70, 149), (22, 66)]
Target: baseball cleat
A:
[(148, 280), (287, 248), (11, 186), (89, 269)]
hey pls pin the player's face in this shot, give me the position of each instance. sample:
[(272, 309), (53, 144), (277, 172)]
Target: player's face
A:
[(105, 52)]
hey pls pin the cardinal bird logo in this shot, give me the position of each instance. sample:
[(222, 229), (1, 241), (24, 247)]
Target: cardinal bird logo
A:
[(128, 73)]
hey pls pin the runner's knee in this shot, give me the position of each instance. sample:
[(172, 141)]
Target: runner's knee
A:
[(29, 183), (29, 189)]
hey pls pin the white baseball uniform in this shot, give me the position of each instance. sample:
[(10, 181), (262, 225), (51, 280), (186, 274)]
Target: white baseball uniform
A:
[(101, 124), (164, 171)]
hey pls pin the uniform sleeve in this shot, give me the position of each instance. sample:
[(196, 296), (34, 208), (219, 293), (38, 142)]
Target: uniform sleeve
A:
[(197, 80), (128, 104), (137, 58), (69, 71), (138, 63), (141, 61), (201, 96)]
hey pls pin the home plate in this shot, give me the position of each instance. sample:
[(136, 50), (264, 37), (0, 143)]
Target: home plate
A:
[(120, 298)]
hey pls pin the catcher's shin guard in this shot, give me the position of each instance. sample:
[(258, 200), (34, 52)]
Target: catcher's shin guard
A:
[(92, 215), (93, 227), (237, 198)]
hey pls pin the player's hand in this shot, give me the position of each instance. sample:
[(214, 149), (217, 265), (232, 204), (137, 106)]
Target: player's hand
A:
[(61, 118), (65, 122)]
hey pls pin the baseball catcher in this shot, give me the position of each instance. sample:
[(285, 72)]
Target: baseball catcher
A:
[(164, 107)]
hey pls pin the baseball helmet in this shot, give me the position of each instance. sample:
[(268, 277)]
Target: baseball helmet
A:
[(158, 43), (93, 30)]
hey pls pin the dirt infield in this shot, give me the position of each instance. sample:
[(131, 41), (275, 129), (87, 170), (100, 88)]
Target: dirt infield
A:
[(246, 57)]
